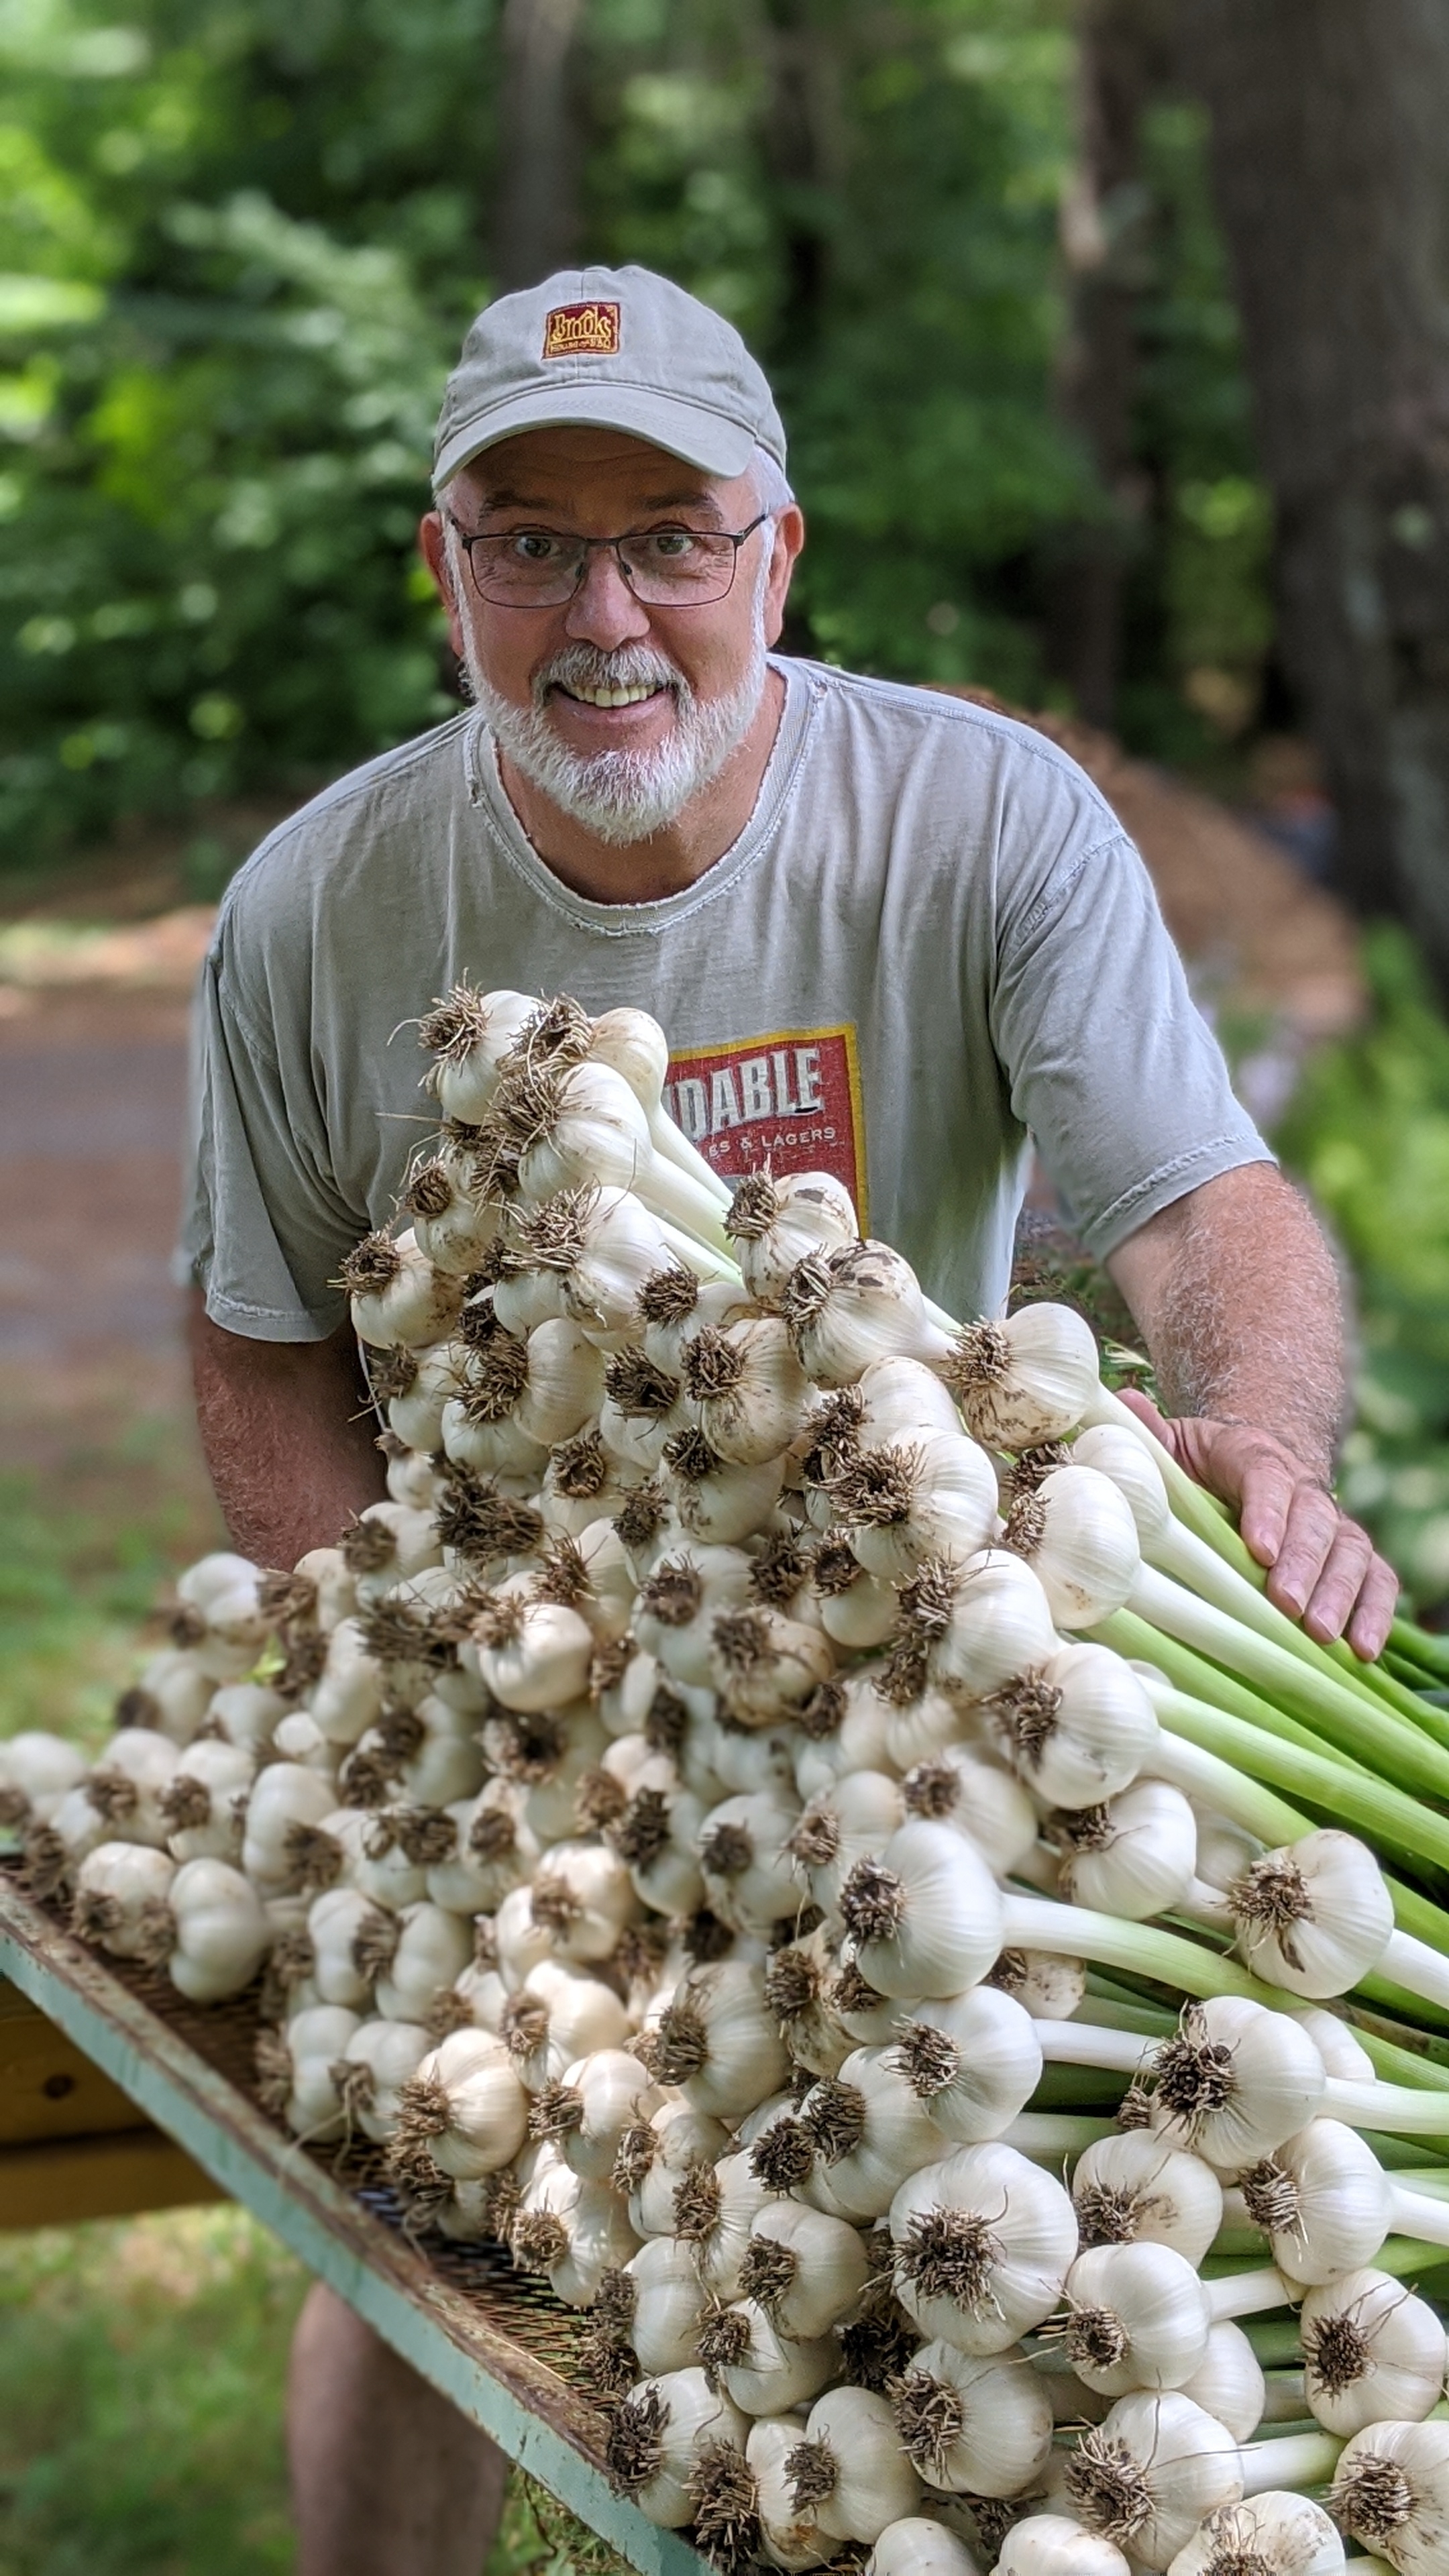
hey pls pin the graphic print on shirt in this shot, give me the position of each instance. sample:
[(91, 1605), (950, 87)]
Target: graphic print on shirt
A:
[(791, 1100)]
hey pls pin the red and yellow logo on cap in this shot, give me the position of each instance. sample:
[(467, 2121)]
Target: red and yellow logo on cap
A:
[(582, 330)]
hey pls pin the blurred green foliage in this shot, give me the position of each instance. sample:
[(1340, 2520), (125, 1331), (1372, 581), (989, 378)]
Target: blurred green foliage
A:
[(1368, 1129), (240, 239)]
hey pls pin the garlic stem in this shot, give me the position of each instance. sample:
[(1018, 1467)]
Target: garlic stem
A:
[(1033, 1923), (704, 1259), (1293, 2460)]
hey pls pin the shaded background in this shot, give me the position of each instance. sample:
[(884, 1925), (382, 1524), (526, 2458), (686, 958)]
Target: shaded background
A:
[(1113, 340)]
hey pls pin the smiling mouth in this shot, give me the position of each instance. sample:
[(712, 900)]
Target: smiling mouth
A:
[(632, 696)]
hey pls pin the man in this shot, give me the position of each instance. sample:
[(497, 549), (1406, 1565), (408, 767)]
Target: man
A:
[(886, 932)]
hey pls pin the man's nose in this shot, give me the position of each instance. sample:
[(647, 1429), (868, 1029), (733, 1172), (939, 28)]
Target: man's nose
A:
[(604, 610)]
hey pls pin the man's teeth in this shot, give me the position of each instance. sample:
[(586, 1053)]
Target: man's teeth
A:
[(629, 697)]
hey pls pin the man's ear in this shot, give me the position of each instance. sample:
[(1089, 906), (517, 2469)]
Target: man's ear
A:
[(433, 549), (789, 540)]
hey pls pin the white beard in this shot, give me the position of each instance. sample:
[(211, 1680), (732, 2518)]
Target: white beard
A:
[(624, 796)]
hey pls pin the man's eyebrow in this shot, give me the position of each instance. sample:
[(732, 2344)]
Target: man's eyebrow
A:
[(504, 499)]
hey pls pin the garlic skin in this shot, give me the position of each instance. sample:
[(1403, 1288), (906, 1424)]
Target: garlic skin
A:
[(1284, 2532), (999, 1627), (900, 1503), (126, 1788), (533, 1655), (1079, 1730), (1151, 2472), (121, 1901), (852, 2450), (777, 1221), (657, 2438), (1028, 1380), (396, 1295), (297, 2070), (1139, 2319), (975, 2426), (598, 2097), (984, 2241), (1275, 2083), (379, 2060), (555, 2017), (1132, 2189), (1373, 2353), (467, 1034), (36, 1771), (719, 2043), (804, 2267), (432, 1949), (496, 1851), (919, 2546), (773, 2371), (1229, 2382), (1079, 1537), (1134, 1857), (925, 1919), (746, 1389), (347, 1699), (669, 2299), (791, 2536), (1315, 1917), (286, 1800), (1391, 2492), (974, 2060), (464, 2106), (220, 1931), (173, 1695), (1323, 2201), (1047, 2544), (205, 1800)]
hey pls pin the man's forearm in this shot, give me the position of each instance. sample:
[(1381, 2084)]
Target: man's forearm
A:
[(1236, 1294), (288, 1437)]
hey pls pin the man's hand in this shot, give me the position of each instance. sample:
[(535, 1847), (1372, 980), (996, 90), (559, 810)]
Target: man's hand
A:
[(1322, 1566)]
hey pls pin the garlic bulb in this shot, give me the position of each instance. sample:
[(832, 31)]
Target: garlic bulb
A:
[(868, 2130), (849, 2469), (287, 1805), (766, 1666), (1133, 1857), (1372, 2353), (1133, 2189), (654, 2158), (776, 1222), (576, 2232), (588, 2110), (1047, 2544), (463, 2111), (467, 1035), (924, 1919), (746, 1388), (973, 2425), (978, 1625), (1284, 2532), (453, 1228), (205, 1801), (666, 2302), (1027, 1380), (173, 1695), (760, 2368), (805, 2268), (1234, 2082), (425, 1950), (495, 1850), (1077, 1728), (599, 1247), (377, 2063), (126, 1789), (718, 1503), (790, 2535), (1323, 2200), (1078, 1535), (679, 1602), (979, 1798), (36, 1771), (219, 1932), (1151, 2472), (1391, 2491), (901, 1503), (1314, 1918), (973, 2060), (121, 1901), (718, 2042), (658, 2437), (917, 2545), (712, 2209), (1229, 2383), (297, 2071), (1140, 2318), (859, 1303), (984, 2241), (799, 1978), (396, 1295), (557, 2016), (583, 1896), (853, 1820), (347, 1699), (533, 1655), (335, 1920)]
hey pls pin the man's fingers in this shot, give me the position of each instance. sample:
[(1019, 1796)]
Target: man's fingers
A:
[(1335, 1595), (1146, 1411), (1269, 1489), (1311, 1528), (1368, 1629)]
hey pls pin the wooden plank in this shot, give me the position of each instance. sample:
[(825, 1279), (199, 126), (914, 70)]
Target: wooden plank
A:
[(49, 2087), (60, 2181), (530, 2412)]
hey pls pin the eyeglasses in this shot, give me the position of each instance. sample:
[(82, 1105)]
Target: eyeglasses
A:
[(663, 567)]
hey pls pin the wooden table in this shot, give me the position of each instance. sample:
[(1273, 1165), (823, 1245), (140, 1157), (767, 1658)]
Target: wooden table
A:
[(133, 2059)]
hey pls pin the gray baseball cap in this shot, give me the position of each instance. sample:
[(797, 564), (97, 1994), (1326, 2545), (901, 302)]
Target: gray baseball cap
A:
[(608, 348)]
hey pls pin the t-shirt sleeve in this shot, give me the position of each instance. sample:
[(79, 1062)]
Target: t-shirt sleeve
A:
[(267, 1226), (1110, 1063)]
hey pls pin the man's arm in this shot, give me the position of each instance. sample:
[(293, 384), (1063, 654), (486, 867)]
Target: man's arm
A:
[(1236, 1293), (288, 1435)]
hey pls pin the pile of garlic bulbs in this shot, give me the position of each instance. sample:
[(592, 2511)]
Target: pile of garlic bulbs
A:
[(689, 1827)]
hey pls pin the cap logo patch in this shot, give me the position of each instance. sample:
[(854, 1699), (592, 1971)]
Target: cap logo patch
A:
[(582, 330)]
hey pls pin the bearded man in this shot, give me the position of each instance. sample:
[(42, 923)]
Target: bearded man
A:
[(888, 933)]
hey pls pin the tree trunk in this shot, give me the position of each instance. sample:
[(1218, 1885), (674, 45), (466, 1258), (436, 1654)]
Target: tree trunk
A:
[(1121, 55), (536, 214), (1331, 164)]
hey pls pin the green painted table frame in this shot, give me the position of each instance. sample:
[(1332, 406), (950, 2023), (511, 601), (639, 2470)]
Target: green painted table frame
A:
[(530, 2412)]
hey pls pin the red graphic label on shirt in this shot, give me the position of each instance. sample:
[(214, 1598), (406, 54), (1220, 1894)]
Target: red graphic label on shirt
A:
[(791, 1100)]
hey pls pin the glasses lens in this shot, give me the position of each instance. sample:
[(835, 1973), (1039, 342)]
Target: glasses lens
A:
[(674, 566), (529, 568)]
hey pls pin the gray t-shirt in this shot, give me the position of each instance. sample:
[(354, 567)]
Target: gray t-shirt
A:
[(932, 941)]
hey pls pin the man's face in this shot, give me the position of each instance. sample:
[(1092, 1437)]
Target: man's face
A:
[(693, 677)]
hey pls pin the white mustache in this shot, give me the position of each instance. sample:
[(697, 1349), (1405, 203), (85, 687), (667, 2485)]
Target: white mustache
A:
[(586, 666)]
